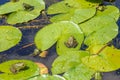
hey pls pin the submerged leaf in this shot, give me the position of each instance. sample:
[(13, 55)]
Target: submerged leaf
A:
[(106, 60), (67, 61), (80, 72), (31, 70), (9, 37)]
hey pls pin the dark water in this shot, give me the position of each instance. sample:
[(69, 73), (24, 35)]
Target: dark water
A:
[(28, 38)]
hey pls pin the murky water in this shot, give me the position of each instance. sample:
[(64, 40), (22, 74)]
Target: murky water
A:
[(28, 38)]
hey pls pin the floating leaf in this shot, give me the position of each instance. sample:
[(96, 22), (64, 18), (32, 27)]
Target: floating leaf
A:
[(67, 61), (50, 34), (62, 16), (83, 3), (47, 77), (75, 15), (98, 30), (9, 37), (106, 60), (31, 71), (10, 7), (110, 11), (72, 32), (22, 10), (59, 7), (80, 72), (24, 15), (81, 15)]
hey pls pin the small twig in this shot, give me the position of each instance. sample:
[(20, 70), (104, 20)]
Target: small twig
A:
[(30, 27), (27, 46)]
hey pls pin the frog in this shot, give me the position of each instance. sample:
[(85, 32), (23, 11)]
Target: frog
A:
[(71, 42), (17, 67), (28, 7)]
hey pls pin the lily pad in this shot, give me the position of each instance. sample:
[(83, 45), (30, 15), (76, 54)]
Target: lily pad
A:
[(19, 13), (50, 34), (24, 15), (75, 15), (98, 30), (72, 32), (59, 7), (105, 61), (81, 15), (83, 3), (10, 7), (110, 11), (9, 37), (62, 16), (32, 69), (80, 72), (67, 61)]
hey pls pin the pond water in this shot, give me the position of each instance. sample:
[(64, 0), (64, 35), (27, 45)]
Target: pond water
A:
[(18, 52)]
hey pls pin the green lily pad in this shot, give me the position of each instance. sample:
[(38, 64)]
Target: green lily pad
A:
[(75, 15), (80, 72), (22, 10), (110, 11), (10, 7), (98, 30), (50, 34), (105, 61), (83, 3), (67, 33), (59, 7), (67, 61), (63, 16), (9, 37), (81, 15), (32, 70), (24, 15)]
